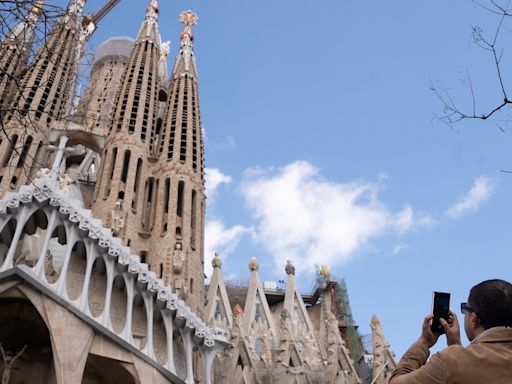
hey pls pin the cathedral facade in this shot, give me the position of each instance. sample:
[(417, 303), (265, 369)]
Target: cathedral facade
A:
[(102, 217)]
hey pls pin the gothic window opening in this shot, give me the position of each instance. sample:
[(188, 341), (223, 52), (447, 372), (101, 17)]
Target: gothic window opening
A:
[(161, 270), (37, 161), (8, 154), (184, 122), (174, 108), (136, 184), (126, 163), (111, 166), (165, 215), (143, 256), (193, 220), (150, 203), (258, 312), (24, 151), (179, 204)]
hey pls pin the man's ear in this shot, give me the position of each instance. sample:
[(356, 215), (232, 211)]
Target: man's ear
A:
[(474, 321)]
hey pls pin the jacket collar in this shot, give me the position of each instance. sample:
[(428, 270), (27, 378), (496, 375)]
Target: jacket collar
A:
[(495, 334)]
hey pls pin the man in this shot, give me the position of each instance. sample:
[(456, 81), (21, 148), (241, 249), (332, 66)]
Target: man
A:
[(488, 358)]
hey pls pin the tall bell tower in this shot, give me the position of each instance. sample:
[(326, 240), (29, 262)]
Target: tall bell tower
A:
[(43, 95), (151, 182)]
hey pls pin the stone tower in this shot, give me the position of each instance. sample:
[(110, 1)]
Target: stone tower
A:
[(151, 185), (14, 52), (95, 109), (44, 95)]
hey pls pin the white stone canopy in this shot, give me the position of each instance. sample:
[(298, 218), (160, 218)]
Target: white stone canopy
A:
[(42, 209)]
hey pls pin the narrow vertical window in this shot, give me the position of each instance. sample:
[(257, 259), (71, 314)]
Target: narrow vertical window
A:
[(24, 152), (165, 215), (8, 154), (126, 164), (179, 204), (136, 184), (193, 220), (36, 163), (110, 172)]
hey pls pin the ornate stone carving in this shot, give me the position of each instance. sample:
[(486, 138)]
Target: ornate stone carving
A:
[(289, 269), (253, 264), (238, 311), (216, 261), (178, 257)]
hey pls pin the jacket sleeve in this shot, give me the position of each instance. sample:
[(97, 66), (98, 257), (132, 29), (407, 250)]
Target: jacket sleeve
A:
[(413, 368)]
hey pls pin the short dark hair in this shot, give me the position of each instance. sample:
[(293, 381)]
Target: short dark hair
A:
[(492, 302)]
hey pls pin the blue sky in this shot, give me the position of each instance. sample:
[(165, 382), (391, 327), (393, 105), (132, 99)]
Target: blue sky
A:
[(322, 146)]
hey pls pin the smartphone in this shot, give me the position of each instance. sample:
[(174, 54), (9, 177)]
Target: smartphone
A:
[(440, 309)]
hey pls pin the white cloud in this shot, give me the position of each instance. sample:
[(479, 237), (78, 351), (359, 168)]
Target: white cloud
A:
[(399, 248), (481, 190), (310, 220), (408, 219), (213, 179), (222, 240)]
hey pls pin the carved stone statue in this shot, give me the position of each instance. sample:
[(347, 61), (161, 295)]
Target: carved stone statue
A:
[(178, 257), (117, 218), (285, 336), (253, 264), (8, 363), (216, 261), (289, 269), (238, 311)]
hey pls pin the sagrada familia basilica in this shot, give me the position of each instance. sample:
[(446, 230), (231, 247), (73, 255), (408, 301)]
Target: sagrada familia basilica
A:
[(102, 216)]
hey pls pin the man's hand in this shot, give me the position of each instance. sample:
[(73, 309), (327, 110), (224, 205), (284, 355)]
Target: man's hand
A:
[(451, 328), (428, 337)]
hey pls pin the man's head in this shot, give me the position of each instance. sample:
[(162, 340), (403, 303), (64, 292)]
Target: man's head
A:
[(491, 301)]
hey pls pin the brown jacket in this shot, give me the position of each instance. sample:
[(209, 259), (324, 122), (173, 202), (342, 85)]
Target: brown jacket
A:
[(488, 360)]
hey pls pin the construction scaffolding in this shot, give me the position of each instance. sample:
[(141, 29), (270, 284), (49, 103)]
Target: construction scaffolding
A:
[(346, 323)]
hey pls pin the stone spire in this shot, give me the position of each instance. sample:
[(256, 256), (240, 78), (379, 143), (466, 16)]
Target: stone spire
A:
[(256, 310), (124, 173), (46, 89), (218, 313), (383, 359), (43, 96), (149, 28), (177, 153), (185, 61), (14, 52), (152, 171)]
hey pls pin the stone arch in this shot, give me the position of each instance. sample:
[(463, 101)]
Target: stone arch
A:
[(25, 339), (99, 369), (55, 254), (30, 243)]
